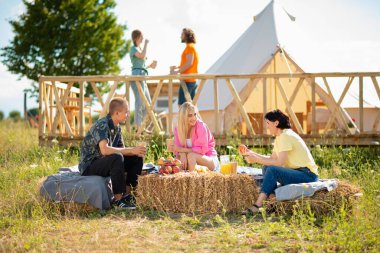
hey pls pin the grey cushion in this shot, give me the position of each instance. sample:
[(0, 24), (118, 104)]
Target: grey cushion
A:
[(72, 187)]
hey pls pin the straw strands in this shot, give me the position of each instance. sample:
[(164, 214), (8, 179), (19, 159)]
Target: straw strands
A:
[(321, 203), (196, 193)]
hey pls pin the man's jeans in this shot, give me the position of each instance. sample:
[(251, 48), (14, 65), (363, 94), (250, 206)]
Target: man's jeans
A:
[(191, 87), (274, 174), (115, 166)]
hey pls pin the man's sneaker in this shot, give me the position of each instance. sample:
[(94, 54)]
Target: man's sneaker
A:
[(129, 198), (122, 203)]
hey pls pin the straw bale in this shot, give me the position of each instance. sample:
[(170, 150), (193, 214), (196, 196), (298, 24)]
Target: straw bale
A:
[(321, 203), (196, 193)]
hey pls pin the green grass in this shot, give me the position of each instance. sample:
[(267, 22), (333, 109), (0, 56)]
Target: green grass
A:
[(29, 224)]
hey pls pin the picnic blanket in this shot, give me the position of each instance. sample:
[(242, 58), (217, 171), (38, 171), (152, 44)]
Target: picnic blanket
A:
[(69, 186), (295, 191)]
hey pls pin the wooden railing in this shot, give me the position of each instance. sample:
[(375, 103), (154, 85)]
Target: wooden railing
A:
[(55, 91)]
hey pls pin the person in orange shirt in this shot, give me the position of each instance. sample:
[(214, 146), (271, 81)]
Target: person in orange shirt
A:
[(189, 64)]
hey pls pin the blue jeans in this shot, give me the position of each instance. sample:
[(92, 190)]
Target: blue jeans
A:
[(140, 109), (191, 87), (274, 174)]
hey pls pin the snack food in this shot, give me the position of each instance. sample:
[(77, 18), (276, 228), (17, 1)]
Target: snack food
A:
[(201, 169), (242, 149), (169, 165)]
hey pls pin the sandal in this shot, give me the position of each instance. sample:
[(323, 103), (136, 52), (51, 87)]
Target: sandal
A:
[(252, 210)]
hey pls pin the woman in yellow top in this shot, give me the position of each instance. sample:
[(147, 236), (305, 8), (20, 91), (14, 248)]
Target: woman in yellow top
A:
[(290, 163)]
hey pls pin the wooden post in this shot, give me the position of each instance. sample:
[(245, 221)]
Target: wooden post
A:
[(154, 100), (128, 123), (40, 110), (148, 107), (81, 107), (265, 109), (109, 97), (335, 107), (97, 93), (170, 105), (48, 118), (361, 111), (289, 107), (240, 105), (377, 88), (63, 101), (331, 119), (216, 106), (298, 87), (313, 109), (47, 98), (199, 90), (61, 110)]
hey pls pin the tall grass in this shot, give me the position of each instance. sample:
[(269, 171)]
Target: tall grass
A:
[(29, 224)]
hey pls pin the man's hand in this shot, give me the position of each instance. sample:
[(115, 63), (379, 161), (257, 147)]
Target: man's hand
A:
[(139, 151)]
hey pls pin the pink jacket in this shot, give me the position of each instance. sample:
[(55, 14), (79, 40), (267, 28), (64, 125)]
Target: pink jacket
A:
[(202, 139)]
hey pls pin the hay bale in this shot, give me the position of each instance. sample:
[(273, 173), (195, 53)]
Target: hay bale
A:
[(196, 193), (321, 203)]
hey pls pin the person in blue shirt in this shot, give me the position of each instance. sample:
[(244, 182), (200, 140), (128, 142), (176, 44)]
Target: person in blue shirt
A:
[(138, 58), (103, 153)]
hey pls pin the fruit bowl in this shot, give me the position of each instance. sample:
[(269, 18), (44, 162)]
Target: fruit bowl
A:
[(169, 165)]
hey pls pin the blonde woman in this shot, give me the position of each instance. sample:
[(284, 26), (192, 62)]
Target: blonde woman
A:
[(193, 141)]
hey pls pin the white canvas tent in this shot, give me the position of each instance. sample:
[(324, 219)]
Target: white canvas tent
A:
[(269, 45)]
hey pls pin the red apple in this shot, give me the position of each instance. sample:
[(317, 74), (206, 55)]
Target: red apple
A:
[(169, 169), (242, 149), (176, 169), (177, 162)]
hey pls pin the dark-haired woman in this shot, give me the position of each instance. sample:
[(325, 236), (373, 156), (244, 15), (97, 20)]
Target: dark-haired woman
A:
[(189, 64), (138, 58), (290, 163)]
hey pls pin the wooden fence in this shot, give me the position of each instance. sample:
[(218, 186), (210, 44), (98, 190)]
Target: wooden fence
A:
[(66, 113)]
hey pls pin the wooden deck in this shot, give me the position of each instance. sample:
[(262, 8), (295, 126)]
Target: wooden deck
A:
[(66, 112)]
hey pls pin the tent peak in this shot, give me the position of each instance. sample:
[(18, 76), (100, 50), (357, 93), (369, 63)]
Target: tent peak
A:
[(271, 7)]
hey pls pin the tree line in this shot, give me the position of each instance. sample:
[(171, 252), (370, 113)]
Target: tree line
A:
[(66, 37)]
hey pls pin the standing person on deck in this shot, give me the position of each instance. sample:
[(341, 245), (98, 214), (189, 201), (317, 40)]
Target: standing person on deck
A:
[(138, 58), (189, 64)]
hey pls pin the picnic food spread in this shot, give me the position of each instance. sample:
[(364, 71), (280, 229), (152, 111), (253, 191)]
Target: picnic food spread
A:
[(169, 165)]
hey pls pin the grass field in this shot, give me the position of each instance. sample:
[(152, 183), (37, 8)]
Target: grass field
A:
[(29, 224)]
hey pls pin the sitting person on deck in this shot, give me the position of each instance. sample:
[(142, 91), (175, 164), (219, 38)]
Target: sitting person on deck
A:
[(290, 163), (103, 153), (194, 142)]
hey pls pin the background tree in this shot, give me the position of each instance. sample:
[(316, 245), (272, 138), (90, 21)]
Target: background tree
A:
[(1, 115), (15, 115), (66, 37)]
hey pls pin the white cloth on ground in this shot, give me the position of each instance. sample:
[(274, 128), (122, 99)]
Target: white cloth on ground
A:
[(295, 191)]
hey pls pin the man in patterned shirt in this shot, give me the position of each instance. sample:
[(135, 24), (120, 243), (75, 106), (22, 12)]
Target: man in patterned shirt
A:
[(103, 153)]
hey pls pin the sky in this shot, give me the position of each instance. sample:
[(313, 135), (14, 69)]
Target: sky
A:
[(339, 32)]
